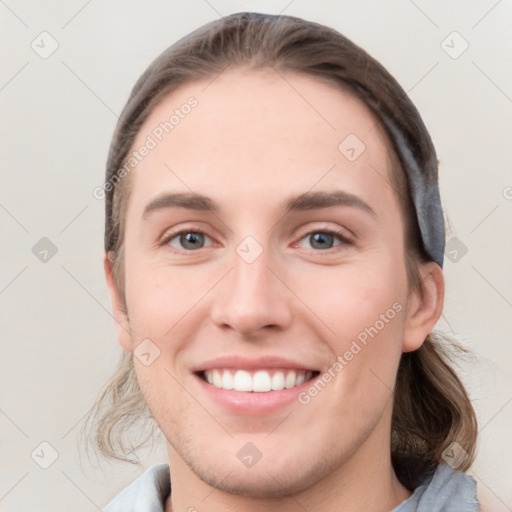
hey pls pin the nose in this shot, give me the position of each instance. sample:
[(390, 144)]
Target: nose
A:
[(253, 296)]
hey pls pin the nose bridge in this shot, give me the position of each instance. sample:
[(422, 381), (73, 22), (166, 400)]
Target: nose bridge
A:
[(252, 297), (250, 269)]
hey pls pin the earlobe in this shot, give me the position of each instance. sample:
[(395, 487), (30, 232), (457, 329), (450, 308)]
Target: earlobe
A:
[(118, 308), (425, 308)]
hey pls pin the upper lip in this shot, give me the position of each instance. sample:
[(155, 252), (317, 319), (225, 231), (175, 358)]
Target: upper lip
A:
[(245, 363)]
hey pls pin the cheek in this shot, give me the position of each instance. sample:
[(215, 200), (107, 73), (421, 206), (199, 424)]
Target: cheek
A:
[(352, 298), (361, 313), (162, 395), (156, 298)]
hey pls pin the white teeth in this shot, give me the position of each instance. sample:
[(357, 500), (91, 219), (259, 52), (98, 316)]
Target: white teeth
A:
[(290, 380), (227, 380), (278, 381), (243, 381), (217, 378), (260, 381)]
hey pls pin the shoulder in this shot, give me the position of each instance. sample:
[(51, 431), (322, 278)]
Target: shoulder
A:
[(447, 490), (147, 493)]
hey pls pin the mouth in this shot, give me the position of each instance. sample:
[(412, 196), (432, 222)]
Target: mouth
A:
[(256, 381), (241, 386)]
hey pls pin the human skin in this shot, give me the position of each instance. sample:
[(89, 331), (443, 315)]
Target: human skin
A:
[(252, 143)]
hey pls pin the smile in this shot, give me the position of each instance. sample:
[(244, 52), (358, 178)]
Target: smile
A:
[(259, 381)]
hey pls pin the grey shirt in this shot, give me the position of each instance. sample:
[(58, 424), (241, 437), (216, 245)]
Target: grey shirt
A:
[(446, 491)]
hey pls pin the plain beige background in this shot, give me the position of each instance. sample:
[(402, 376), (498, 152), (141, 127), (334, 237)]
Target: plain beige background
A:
[(58, 112)]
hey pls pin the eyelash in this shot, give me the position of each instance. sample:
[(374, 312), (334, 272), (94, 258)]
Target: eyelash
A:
[(329, 231), (338, 234)]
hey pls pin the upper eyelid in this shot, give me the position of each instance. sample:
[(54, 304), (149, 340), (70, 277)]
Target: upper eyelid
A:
[(345, 240), (172, 232), (337, 232), (166, 238)]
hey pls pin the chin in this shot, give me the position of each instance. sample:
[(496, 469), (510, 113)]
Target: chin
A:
[(257, 483), (278, 475)]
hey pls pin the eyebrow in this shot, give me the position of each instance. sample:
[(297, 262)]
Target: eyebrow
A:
[(306, 201)]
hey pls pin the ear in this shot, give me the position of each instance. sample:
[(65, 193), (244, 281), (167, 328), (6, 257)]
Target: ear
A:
[(424, 309), (118, 308)]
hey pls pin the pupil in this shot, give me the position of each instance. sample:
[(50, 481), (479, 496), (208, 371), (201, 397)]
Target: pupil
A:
[(191, 240), (322, 240)]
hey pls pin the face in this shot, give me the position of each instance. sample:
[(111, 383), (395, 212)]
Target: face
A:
[(265, 279)]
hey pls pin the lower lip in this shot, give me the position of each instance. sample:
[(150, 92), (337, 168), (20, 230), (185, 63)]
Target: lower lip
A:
[(251, 403)]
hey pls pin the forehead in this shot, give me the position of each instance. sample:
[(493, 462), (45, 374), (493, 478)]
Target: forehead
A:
[(261, 131)]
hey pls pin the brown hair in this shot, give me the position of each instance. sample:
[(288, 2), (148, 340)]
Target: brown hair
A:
[(431, 406)]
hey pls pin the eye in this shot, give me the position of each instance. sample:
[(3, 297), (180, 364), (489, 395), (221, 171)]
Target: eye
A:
[(322, 240), (188, 240), (325, 239)]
